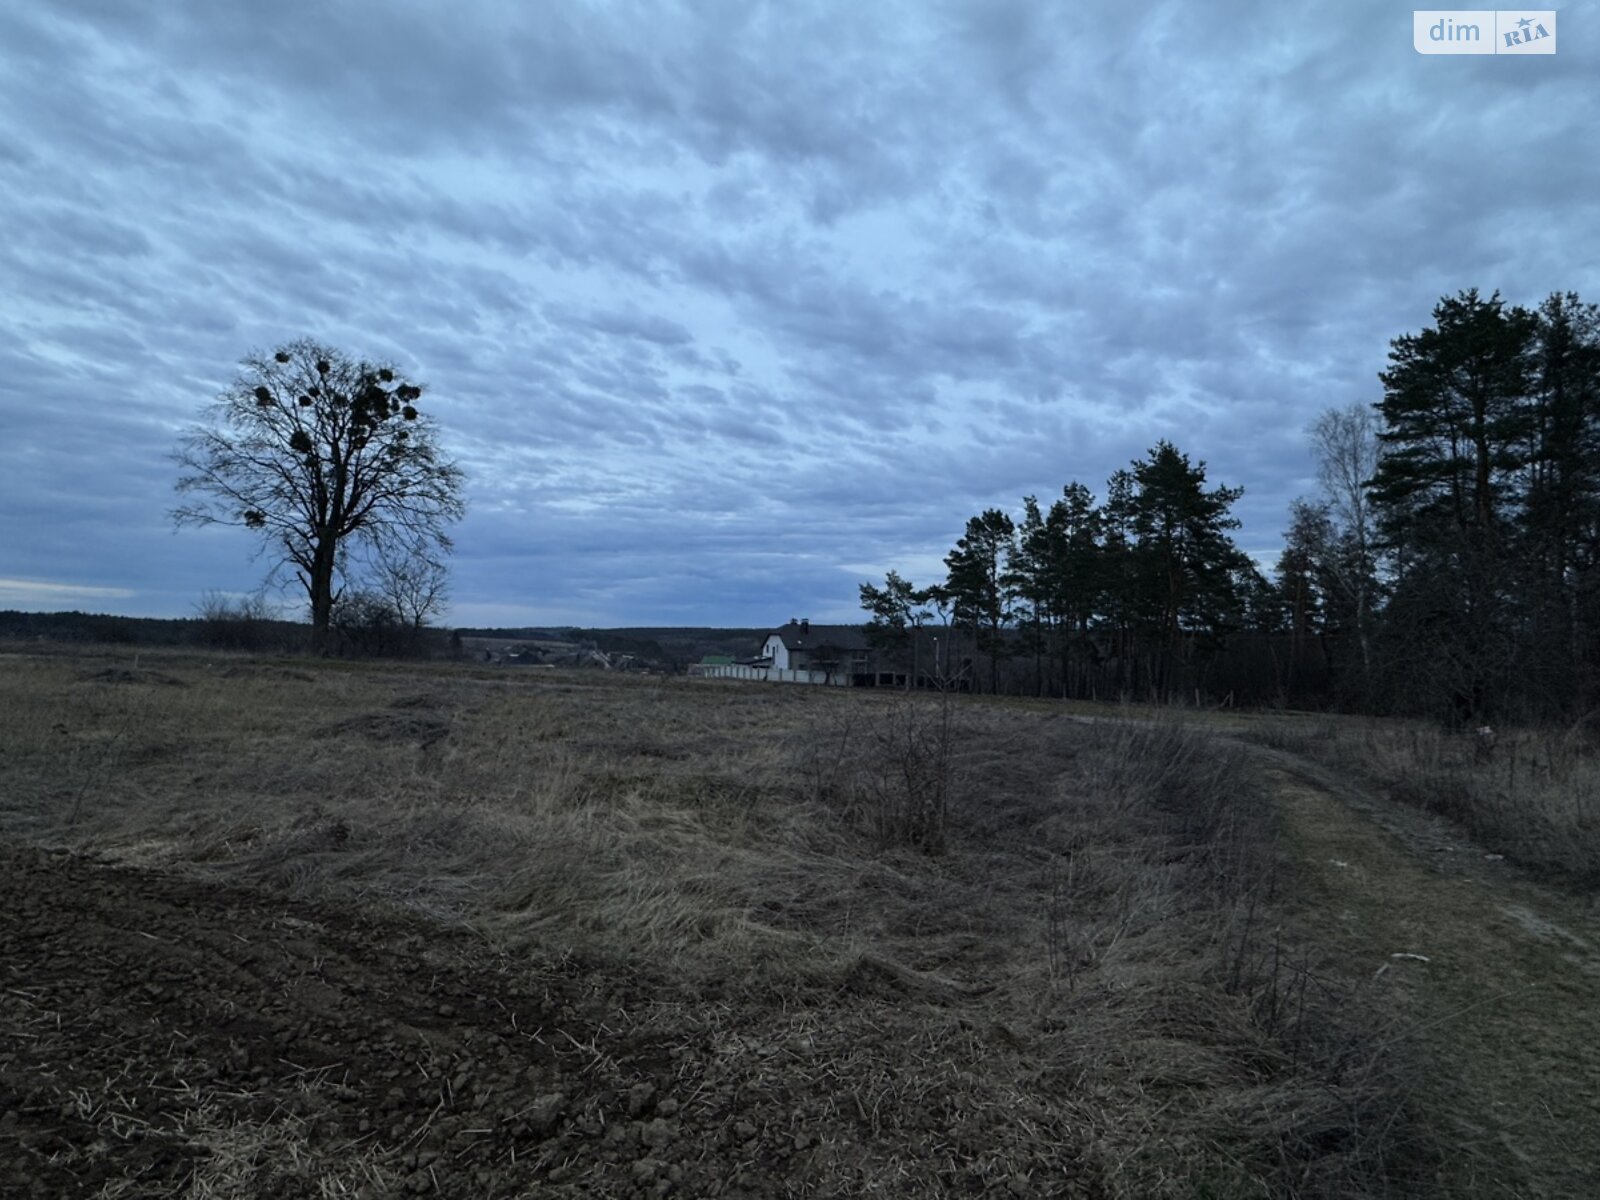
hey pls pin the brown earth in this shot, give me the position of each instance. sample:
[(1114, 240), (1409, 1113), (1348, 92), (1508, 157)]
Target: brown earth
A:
[(168, 1036), (161, 1035)]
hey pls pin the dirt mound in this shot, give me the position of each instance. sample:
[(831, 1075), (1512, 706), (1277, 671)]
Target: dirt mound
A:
[(257, 672), (124, 675), (403, 726), (420, 700)]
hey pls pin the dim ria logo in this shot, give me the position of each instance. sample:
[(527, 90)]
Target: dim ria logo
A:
[(1487, 31)]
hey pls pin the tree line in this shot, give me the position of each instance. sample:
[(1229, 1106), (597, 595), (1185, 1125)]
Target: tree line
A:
[(1446, 566), (1131, 594)]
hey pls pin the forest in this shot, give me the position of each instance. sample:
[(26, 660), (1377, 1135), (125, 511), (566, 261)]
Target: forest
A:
[(1446, 566)]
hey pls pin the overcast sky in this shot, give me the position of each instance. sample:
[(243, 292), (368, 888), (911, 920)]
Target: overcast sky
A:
[(726, 308)]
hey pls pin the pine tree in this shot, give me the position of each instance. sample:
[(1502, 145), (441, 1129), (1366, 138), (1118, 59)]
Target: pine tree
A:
[(1185, 559), (976, 582), (1456, 446), (898, 611)]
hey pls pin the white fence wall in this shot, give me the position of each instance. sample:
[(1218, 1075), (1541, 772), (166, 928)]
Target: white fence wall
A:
[(774, 675)]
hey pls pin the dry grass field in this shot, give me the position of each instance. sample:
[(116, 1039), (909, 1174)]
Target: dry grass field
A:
[(320, 929)]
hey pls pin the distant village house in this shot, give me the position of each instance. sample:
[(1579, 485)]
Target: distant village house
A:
[(800, 652)]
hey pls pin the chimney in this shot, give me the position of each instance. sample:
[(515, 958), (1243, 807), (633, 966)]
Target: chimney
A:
[(794, 620), (805, 625)]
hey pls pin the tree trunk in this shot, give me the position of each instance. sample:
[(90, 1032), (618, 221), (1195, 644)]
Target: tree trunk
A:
[(320, 586)]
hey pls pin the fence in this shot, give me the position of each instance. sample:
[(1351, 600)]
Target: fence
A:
[(773, 674)]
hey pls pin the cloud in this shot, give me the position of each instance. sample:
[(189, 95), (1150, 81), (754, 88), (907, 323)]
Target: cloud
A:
[(37, 594), (718, 303)]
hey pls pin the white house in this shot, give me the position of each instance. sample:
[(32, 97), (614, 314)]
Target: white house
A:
[(801, 652), (829, 650)]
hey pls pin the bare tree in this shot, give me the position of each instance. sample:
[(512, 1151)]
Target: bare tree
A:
[(1346, 444), (416, 586), (366, 625), (236, 622), (318, 452)]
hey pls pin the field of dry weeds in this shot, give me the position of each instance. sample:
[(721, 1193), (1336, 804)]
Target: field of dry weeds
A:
[(315, 929)]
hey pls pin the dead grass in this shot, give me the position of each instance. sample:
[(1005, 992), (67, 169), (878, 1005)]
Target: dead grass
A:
[(237, 1159), (1053, 942)]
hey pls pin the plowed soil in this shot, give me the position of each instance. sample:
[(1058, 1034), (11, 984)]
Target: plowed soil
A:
[(161, 1035)]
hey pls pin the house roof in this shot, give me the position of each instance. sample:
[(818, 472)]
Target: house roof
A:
[(836, 637)]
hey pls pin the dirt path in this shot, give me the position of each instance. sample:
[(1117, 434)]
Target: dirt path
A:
[(1495, 978)]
